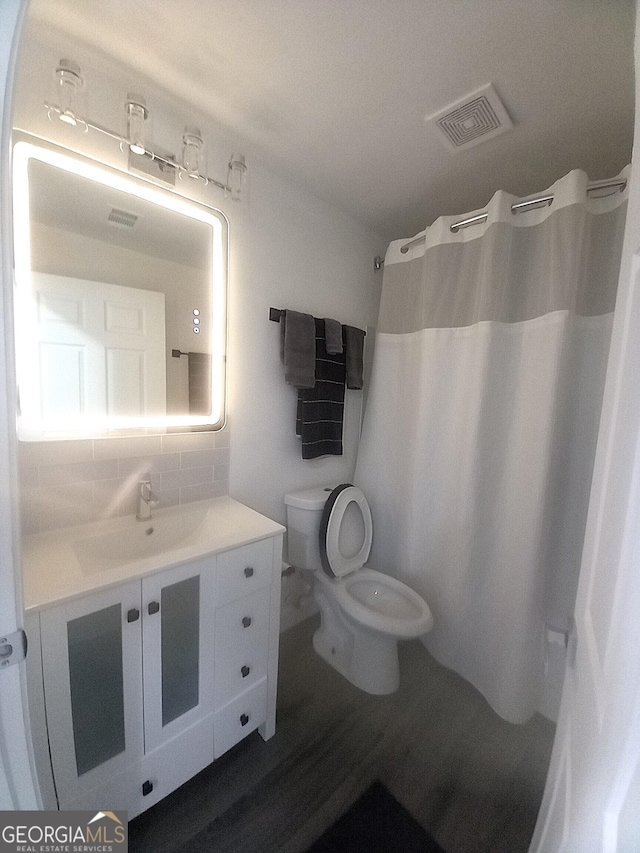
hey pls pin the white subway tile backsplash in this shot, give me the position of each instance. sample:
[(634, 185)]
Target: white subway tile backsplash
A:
[(63, 483), (202, 491), (188, 441), (186, 477), (109, 496), (34, 453), (134, 465), (168, 497), (222, 456), (197, 458), (117, 448), (222, 438), (221, 473), (64, 506), (77, 472)]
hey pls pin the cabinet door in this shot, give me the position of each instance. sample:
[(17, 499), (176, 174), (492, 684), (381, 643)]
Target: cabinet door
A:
[(178, 637), (91, 655)]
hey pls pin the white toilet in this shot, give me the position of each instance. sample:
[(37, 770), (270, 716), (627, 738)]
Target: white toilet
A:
[(363, 612)]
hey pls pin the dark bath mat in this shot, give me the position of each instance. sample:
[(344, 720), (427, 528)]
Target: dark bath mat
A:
[(376, 822)]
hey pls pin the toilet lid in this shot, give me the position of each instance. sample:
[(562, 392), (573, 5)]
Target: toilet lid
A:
[(334, 562)]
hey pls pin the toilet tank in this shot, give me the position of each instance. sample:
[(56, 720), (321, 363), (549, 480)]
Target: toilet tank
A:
[(304, 511)]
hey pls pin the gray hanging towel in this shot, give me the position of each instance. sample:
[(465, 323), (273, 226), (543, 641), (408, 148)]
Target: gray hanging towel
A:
[(354, 345), (199, 383), (333, 336), (298, 348), (320, 410)]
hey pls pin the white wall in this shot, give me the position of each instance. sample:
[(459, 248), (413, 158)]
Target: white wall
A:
[(288, 249), (295, 252)]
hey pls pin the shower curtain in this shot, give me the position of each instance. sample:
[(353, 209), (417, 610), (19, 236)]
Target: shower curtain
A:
[(481, 423)]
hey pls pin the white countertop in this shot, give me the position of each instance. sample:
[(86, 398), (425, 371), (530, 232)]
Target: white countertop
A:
[(63, 564)]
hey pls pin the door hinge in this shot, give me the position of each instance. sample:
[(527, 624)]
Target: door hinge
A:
[(13, 648)]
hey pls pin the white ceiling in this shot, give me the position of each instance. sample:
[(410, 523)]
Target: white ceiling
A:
[(335, 92)]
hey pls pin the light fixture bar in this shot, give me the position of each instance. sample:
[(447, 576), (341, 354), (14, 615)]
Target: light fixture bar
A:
[(149, 152), (193, 149)]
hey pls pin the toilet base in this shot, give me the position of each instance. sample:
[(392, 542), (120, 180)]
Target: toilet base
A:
[(369, 660)]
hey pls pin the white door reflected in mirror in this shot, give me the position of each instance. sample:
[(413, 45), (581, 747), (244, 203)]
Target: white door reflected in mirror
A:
[(107, 271)]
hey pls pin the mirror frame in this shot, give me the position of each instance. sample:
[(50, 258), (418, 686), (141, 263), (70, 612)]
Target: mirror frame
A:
[(31, 427)]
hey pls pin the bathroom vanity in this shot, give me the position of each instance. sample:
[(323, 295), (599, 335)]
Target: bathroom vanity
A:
[(153, 649)]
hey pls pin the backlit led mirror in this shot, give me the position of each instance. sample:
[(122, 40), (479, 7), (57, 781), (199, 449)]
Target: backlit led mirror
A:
[(120, 301)]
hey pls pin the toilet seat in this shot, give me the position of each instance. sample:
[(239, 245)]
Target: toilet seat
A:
[(334, 562), (382, 603)]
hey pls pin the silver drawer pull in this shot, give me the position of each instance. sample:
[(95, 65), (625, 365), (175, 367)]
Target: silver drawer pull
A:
[(246, 621)]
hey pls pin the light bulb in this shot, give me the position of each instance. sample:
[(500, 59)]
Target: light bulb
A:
[(136, 111), (193, 153), (236, 176), (68, 82)]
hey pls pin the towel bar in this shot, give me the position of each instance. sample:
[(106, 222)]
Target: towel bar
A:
[(276, 313)]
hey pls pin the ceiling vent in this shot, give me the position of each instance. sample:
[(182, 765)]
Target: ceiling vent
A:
[(471, 120), (122, 218)]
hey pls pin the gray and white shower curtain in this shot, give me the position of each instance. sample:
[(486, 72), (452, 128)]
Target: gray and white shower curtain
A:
[(482, 417)]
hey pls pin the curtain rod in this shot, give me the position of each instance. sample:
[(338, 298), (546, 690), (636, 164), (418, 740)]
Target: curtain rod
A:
[(545, 200)]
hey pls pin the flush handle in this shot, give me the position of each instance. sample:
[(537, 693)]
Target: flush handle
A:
[(147, 788), (245, 670), (153, 607), (246, 621), (248, 572), (244, 719), (133, 615)]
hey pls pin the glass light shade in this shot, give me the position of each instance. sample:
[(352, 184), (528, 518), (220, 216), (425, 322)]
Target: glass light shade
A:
[(193, 153), (68, 83), (136, 110), (236, 176)]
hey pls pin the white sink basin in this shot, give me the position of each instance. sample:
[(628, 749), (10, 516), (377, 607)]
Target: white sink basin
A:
[(156, 535), (60, 565)]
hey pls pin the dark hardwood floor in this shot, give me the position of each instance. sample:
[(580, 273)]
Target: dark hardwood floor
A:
[(472, 780)]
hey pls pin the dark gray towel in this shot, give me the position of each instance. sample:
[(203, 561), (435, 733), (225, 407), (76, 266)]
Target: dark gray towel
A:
[(333, 336), (354, 345), (321, 409), (298, 348), (199, 383)]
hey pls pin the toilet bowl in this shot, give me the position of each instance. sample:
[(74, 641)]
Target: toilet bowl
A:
[(363, 612)]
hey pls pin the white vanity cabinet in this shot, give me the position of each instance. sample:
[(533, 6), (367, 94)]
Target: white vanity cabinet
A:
[(146, 682), (128, 685)]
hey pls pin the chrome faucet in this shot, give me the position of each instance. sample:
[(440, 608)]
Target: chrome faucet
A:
[(146, 500)]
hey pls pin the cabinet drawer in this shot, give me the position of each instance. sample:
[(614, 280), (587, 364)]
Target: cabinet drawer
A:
[(241, 646), (243, 570), (239, 717)]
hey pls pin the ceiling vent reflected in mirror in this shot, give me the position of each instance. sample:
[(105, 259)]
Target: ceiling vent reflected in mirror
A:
[(121, 218), (475, 118)]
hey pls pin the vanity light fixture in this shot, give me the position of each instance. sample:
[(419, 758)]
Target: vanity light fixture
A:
[(69, 83), (137, 113)]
